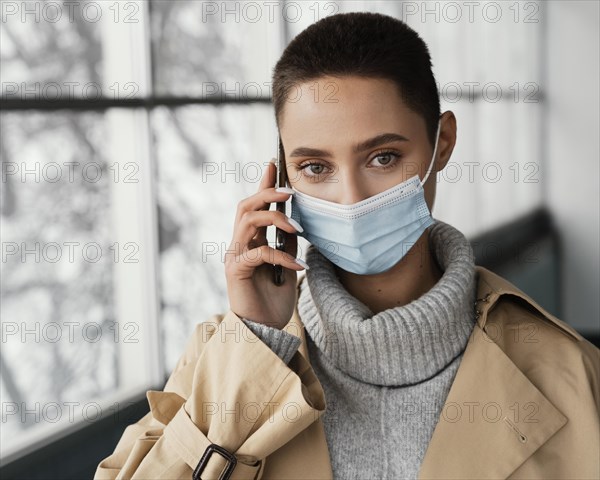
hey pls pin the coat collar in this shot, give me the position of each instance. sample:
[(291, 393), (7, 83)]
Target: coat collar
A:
[(491, 286), (494, 417)]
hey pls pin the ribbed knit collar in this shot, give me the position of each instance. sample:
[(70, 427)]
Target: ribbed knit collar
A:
[(401, 345)]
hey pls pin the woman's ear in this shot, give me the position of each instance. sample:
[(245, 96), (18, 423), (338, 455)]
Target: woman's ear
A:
[(447, 139)]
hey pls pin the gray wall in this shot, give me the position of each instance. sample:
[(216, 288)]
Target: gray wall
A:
[(572, 152)]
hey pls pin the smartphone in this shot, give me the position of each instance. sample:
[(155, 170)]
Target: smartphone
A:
[(280, 181)]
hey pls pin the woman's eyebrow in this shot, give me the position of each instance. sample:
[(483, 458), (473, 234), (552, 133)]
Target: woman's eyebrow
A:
[(359, 147)]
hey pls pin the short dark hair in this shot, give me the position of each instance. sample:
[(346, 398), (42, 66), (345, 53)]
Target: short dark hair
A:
[(361, 44)]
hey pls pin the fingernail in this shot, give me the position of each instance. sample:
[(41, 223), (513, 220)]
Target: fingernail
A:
[(273, 160), (285, 190), (302, 263), (295, 224)]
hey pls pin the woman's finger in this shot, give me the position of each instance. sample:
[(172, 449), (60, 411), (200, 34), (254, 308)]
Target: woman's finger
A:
[(244, 264), (268, 178), (254, 224)]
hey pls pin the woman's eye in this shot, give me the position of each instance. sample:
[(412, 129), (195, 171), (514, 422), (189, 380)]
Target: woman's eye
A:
[(312, 169), (385, 159)]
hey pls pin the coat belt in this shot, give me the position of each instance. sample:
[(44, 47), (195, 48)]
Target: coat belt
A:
[(190, 444)]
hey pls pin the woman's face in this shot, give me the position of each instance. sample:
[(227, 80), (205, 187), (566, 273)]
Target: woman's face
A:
[(349, 138)]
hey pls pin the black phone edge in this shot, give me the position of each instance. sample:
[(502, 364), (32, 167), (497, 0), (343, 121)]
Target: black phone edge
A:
[(280, 181)]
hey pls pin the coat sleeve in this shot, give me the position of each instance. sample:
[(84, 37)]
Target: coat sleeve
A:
[(231, 387), (284, 344)]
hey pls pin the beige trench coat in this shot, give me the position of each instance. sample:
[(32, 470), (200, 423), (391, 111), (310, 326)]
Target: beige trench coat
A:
[(524, 404)]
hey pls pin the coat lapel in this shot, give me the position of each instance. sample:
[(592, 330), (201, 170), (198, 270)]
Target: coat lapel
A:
[(295, 325), (494, 418)]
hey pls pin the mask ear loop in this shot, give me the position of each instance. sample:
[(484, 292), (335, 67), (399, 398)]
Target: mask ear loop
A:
[(437, 137)]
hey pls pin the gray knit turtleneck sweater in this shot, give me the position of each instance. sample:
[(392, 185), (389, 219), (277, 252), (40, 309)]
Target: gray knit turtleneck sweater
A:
[(385, 376)]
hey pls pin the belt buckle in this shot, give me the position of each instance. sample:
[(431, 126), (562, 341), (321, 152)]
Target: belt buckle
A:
[(213, 447)]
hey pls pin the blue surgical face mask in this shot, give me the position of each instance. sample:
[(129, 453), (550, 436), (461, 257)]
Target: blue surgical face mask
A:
[(369, 236)]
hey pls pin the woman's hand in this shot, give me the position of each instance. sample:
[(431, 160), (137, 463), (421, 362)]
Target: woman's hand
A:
[(249, 259)]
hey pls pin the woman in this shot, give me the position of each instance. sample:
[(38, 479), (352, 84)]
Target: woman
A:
[(394, 356)]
